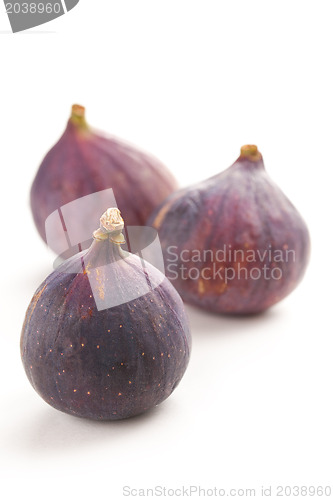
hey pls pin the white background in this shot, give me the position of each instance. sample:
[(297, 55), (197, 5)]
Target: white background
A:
[(190, 82)]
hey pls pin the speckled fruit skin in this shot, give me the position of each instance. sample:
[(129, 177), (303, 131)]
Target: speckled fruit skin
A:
[(241, 208), (84, 161), (104, 364)]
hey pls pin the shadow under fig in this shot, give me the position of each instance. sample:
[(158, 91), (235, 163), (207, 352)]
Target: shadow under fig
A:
[(204, 323), (56, 432)]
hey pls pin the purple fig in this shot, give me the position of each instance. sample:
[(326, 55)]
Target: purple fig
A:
[(85, 161), (92, 350), (233, 243)]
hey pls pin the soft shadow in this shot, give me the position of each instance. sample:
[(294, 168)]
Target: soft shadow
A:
[(211, 324), (53, 431), (34, 32), (26, 32)]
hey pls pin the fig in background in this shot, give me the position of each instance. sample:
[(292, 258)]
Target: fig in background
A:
[(233, 243), (84, 162)]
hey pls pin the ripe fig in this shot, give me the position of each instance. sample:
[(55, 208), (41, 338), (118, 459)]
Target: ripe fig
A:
[(106, 335), (85, 161), (233, 243)]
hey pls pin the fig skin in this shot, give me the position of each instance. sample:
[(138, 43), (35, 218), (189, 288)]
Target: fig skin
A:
[(105, 364), (85, 161), (238, 209)]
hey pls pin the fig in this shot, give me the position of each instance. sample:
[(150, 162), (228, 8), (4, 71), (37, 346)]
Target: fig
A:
[(85, 161), (233, 243), (106, 335)]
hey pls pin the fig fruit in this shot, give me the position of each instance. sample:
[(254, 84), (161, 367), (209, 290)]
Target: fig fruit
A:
[(85, 161), (106, 335), (233, 243)]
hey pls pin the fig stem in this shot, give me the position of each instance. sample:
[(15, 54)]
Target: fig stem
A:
[(111, 226), (250, 151), (78, 116)]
